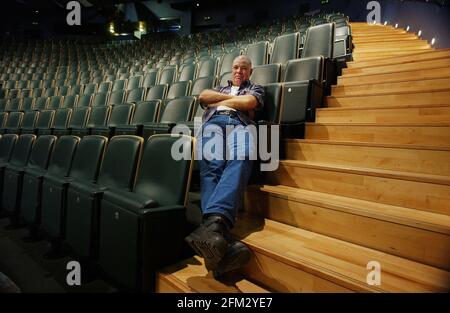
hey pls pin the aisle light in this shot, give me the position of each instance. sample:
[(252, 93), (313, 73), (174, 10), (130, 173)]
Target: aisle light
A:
[(419, 33), (396, 25), (385, 23), (433, 41), (407, 28)]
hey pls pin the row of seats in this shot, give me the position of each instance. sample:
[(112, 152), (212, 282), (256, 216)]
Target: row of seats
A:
[(122, 217), (302, 86)]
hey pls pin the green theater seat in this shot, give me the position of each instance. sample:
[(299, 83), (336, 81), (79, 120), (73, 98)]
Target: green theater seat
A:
[(143, 229)]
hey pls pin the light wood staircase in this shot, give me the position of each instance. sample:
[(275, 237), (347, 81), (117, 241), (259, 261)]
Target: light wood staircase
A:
[(370, 182)]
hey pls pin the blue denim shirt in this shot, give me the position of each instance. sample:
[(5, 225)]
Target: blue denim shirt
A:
[(246, 88)]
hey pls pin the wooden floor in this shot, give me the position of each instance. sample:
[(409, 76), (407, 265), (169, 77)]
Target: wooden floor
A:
[(369, 184)]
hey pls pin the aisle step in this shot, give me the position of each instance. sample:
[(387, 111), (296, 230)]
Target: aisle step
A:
[(416, 235), (419, 191)]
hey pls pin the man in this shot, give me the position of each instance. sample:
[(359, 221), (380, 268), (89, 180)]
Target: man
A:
[(225, 169)]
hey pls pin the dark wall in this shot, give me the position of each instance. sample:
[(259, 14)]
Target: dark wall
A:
[(431, 18)]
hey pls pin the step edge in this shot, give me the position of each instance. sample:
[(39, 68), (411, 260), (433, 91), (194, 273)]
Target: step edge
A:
[(331, 202)]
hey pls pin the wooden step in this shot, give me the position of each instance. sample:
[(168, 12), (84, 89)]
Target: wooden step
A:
[(379, 31), (385, 51), (388, 45), (290, 259), (425, 192), (381, 39), (412, 75), (191, 275), (437, 64), (424, 114), (415, 57), (410, 134), (404, 158), (416, 235), (376, 55), (429, 85), (441, 98)]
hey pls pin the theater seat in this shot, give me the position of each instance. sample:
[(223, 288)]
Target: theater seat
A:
[(302, 94), (60, 122), (145, 112), (13, 172), (28, 195), (81, 163), (78, 120), (7, 143), (266, 74), (178, 110), (120, 115), (83, 197), (98, 116), (142, 229)]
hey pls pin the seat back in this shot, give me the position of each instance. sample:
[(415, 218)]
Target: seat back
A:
[(272, 100), (157, 92), (146, 112), (99, 116), (7, 143), (40, 103), (161, 177), (22, 150), (3, 119), (201, 84), (45, 119), (117, 97), (207, 67), (89, 89), (14, 120), (124, 150), (187, 72), (40, 154), (84, 100), (319, 41), (266, 74), (168, 75), (62, 118), (134, 82), (119, 84), (304, 69), (80, 117), (14, 104), (62, 156), (54, 103), (285, 48), (69, 101), (121, 114), (100, 99), (258, 53), (135, 95), (29, 120), (88, 158), (104, 87), (150, 78), (177, 110), (178, 89), (27, 104)]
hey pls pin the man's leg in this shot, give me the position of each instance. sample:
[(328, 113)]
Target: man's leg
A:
[(209, 239)]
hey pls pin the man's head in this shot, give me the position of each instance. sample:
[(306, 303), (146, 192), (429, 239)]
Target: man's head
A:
[(242, 69)]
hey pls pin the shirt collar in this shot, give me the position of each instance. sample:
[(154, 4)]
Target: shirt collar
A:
[(243, 85)]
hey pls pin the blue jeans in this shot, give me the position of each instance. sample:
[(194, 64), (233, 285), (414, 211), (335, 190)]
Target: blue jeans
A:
[(225, 166)]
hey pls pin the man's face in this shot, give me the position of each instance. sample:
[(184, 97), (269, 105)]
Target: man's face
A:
[(241, 71)]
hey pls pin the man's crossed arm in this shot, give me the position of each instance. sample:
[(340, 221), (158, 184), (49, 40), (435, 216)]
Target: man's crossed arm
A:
[(241, 103)]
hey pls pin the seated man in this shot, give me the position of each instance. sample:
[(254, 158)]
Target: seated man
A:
[(226, 168)]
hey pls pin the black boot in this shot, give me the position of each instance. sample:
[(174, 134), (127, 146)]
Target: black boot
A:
[(209, 240), (238, 254)]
